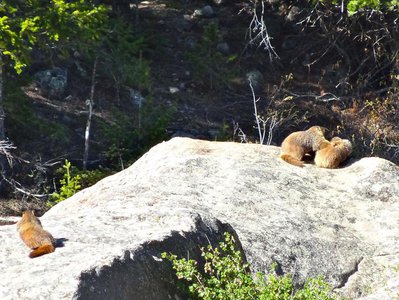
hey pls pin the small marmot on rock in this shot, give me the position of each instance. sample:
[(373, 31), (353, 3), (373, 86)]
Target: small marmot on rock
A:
[(34, 236), (296, 145), (331, 155)]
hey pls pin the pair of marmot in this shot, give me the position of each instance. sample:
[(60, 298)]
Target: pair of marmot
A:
[(328, 154)]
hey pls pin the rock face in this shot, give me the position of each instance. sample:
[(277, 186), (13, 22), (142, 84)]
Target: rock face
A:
[(183, 194), (52, 82)]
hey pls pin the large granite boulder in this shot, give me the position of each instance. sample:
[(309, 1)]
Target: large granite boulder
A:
[(184, 193)]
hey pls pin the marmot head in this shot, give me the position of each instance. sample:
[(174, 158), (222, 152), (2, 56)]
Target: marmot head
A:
[(28, 212), (338, 142), (318, 130)]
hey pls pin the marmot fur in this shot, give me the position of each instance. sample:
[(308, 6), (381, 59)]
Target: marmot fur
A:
[(331, 155), (299, 143), (34, 236)]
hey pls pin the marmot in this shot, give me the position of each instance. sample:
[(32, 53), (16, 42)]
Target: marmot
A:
[(34, 236), (297, 144), (331, 155)]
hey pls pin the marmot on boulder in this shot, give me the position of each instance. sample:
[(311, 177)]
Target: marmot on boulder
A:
[(34, 236), (331, 155), (299, 143)]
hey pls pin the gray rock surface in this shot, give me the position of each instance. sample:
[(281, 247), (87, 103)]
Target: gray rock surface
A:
[(183, 194), (223, 48), (255, 78), (52, 82), (205, 12)]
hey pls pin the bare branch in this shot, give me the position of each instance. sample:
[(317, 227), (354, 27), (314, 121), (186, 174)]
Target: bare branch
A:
[(89, 103), (19, 188), (258, 32), (257, 118), (5, 148), (237, 131), (272, 121)]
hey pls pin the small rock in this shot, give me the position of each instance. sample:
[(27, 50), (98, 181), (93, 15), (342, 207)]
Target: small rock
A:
[(292, 15), (205, 12), (223, 48), (136, 97), (219, 2), (208, 11), (173, 90), (190, 42), (52, 82), (197, 13)]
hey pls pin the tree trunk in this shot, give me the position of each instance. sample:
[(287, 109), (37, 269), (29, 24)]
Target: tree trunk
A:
[(4, 167), (89, 103), (2, 114)]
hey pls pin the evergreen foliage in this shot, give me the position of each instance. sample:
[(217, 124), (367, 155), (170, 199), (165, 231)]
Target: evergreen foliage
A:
[(69, 185), (132, 135), (121, 56), (210, 63)]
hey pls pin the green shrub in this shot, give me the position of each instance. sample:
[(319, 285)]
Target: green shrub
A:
[(90, 177), (69, 185), (226, 276), (129, 136), (224, 132), (356, 5)]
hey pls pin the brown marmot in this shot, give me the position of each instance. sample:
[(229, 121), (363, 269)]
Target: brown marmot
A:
[(299, 143), (331, 155), (34, 236)]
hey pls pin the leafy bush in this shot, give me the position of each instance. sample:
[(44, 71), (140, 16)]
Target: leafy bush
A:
[(69, 185), (226, 276), (90, 177), (355, 5)]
